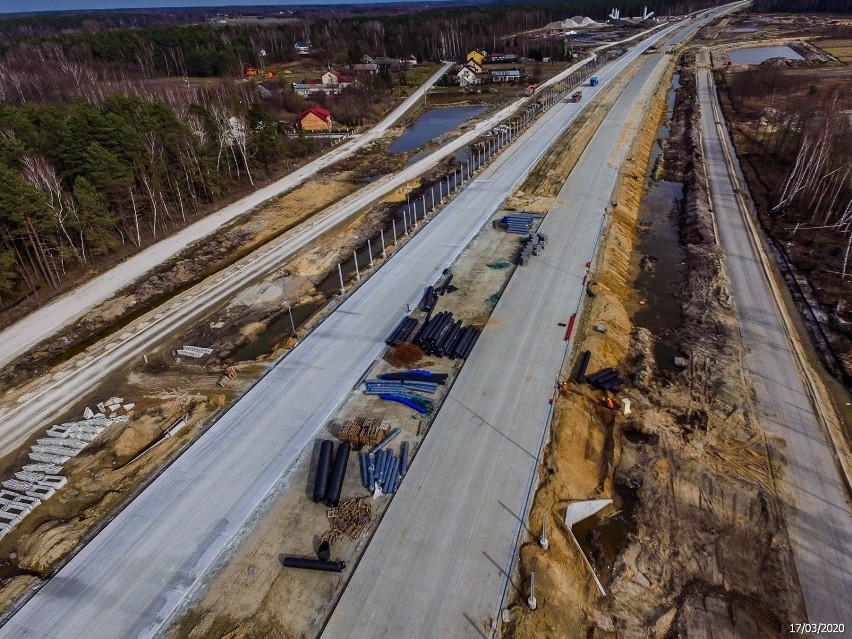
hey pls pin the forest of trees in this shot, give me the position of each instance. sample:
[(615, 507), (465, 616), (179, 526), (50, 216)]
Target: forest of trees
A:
[(801, 6), (108, 141)]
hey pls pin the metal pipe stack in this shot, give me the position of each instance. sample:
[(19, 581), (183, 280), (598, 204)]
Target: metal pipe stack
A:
[(388, 470)]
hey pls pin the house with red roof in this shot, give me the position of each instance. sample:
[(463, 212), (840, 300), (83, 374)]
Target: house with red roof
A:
[(316, 119)]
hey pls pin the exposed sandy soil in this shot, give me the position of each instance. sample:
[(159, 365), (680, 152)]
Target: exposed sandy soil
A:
[(244, 598), (107, 474), (704, 544)]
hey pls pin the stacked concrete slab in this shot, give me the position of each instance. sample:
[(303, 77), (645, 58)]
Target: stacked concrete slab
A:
[(39, 480)]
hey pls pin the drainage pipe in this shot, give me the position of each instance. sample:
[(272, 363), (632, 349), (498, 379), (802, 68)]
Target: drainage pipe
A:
[(323, 470), (313, 564), (338, 473)]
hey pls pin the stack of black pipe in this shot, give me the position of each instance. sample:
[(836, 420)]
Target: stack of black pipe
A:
[(417, 376), (606, 379), (328, 482), (402, 331)]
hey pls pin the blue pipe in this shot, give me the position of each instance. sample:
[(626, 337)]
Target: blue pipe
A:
[(392, 475), (386, 479), (362, 462), (387, 439), (403, 400), (371, 470), (403, 459)]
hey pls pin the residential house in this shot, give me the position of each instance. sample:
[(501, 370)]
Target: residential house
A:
[(506, 75), (502, 57), (303, 48), (315, 87), (316, 119), (476, 56), (367, 67), (390, 63), (467, 76), (410, 60), (473, 65), (333, 76)]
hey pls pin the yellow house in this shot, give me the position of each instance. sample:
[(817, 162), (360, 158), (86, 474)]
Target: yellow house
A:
[(477, 57)]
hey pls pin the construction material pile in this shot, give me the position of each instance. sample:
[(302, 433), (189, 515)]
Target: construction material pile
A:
[(442, 336), (363, 432), (405, 388), (606, 379), (533, 246), (351, 517), (38, 481), (519, 222), (381, 471), (328, 482)]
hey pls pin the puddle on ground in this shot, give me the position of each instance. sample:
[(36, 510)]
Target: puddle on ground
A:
[(603, 537), (658, 255)]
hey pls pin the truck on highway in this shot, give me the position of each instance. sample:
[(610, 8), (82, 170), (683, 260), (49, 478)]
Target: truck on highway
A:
[(593, 81), (577, 96)]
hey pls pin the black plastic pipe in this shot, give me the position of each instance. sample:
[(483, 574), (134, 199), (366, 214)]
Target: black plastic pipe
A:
[(323, 470), (600, 373), (427, 299), (338, 473), (584, 364), (602, 378), (313, 564), (610, 383)]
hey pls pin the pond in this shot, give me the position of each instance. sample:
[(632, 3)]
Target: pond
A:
[(432, 124), (756, 55)]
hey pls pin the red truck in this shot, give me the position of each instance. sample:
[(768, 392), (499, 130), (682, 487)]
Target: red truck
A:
[(577, 96)]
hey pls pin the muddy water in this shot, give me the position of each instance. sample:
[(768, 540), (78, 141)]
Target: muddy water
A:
[(277, 331), (658, 255), (433, 124), (602, 538)]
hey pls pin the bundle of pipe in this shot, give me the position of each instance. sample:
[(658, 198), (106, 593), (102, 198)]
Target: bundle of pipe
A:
[(600, 379), (338, 473), (417, 375), (601, 373), (323, 470), (386, 471), (464, 344), (309, 563), (518, 222), (611, 383), (377, 386), (584, 364), (402, 331)]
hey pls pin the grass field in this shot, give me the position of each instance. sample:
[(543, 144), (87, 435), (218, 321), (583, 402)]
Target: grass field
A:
[(840, 49)]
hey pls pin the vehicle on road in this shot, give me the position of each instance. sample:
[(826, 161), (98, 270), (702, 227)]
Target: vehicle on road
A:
[(576, 96), (593, 81)]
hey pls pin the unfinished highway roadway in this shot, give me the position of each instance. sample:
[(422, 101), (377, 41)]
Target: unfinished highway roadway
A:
[(813, 490), (447, 544), (52, 317), (130, 578), (18, 419)]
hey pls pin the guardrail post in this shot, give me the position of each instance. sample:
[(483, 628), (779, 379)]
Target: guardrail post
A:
[(340, 273), (357, 272), (384, 253), (531, 602)]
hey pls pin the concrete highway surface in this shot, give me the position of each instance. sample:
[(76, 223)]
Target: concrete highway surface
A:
[(819, 520), (19, 419), (133, 575), (445, 548), (50, 318)]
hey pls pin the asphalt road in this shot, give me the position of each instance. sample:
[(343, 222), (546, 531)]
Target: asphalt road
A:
[(131, 577), (447, 543), (49, 319), (819, 520)]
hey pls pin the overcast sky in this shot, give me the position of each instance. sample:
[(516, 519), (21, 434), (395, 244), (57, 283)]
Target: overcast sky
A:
[(17, 6)]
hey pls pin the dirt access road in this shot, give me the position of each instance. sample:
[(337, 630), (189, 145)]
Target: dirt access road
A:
[(41, 324)]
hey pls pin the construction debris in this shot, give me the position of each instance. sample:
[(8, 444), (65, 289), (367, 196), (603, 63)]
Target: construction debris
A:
[(363, 432), (533, 246), (39, 481), (196, 352), (350, 517)]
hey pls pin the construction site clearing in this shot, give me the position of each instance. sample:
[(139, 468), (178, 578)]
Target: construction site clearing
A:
[(637, 435)]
